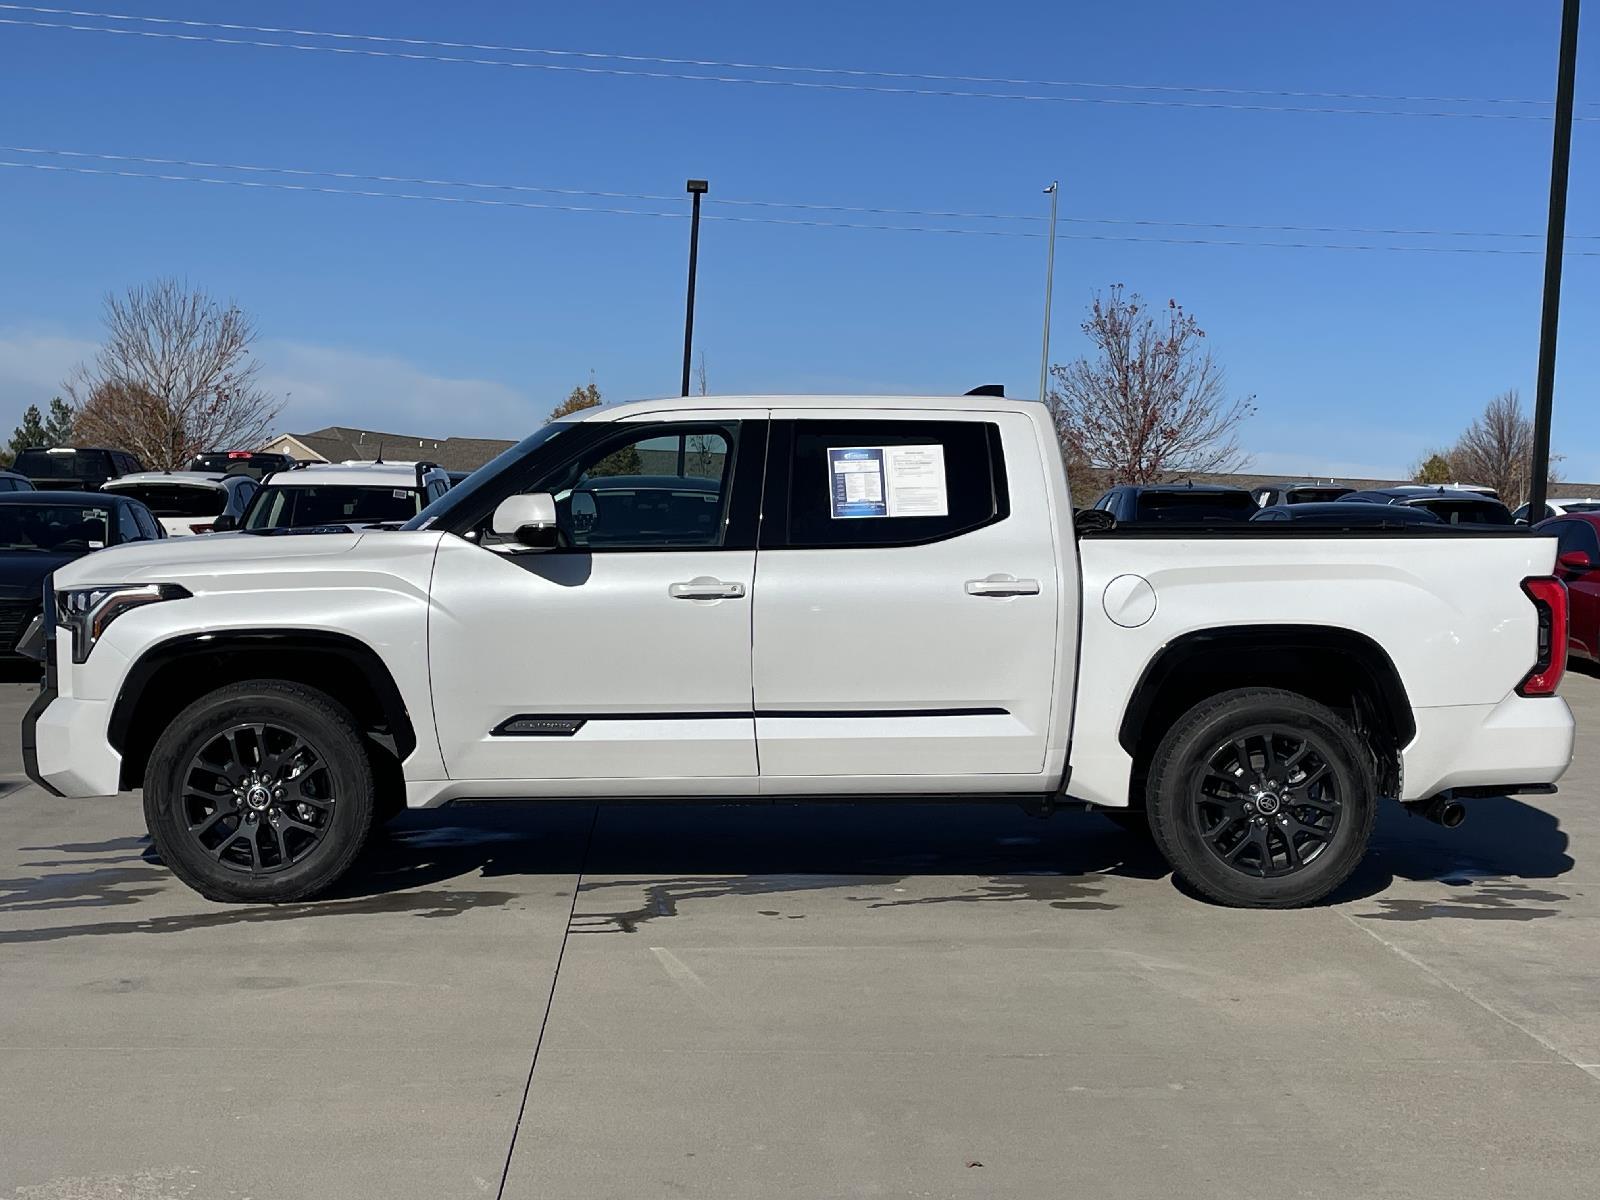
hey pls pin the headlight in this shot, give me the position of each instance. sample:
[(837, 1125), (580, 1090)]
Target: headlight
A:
[(88, 611)]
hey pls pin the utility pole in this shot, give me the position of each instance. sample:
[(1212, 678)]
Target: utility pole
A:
[(1555, 243), (1054, 192), (697, 188)]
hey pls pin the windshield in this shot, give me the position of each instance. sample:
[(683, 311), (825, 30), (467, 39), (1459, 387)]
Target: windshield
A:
[(298, 506), (1195, 505), (63, 464), (465, 493), (54, 527), (1314, 495), (176, 500), (240, 463)]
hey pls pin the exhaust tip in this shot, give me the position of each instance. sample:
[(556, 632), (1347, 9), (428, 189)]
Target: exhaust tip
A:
[(1441, 810)]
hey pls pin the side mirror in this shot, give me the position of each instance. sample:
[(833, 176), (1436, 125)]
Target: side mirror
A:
[(224, 523), (529, 520), (1576, 562)]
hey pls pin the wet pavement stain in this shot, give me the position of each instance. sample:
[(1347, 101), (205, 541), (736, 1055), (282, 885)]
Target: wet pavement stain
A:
[(429, 904), (1481, 900), (1058, 891)]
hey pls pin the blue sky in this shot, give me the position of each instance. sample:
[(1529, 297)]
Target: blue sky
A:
[(445, 318)]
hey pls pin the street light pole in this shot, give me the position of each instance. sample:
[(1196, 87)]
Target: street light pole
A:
[(1054, 192), (697, 188), (1555, 243)]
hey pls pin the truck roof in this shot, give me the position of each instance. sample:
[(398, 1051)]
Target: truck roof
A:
[(634, 408)]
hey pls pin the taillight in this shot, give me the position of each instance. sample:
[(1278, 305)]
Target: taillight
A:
[(1549, 596)]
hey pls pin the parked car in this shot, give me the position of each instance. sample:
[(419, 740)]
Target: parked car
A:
[(10, 481), (1559, 508), (1298, 493), (1350, 516), (351, 494), (1578, 563), (74, 468), (1177, 502), (188, 502), (253, 463), (1453, 506), (889, 602), (42, 531)]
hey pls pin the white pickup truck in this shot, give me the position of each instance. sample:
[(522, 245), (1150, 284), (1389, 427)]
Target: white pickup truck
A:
[(767, 599)]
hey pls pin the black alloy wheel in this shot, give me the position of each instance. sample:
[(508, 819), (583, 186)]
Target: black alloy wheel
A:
[(263, 791), (1262, 798), (258, 797), (1266, 801)]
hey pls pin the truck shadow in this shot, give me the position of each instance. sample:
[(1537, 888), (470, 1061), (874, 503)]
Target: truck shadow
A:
[(1487, 864), (641, 863)]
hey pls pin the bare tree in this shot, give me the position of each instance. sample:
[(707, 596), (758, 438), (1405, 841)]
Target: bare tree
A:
[(173, 378), (1150, 402), (1497, 450), (700, 374)]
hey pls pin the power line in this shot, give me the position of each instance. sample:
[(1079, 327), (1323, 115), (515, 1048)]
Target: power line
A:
[(793, 222), (423, 181), (814, 85), (723, 64)]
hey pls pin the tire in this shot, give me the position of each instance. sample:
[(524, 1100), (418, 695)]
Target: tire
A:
[(1261, 798), (260, 792)]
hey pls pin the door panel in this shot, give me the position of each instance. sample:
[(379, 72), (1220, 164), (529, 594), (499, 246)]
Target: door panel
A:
[(624, 654), (932, 659), (662, 684)]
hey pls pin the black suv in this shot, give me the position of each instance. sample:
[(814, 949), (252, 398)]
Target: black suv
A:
[(1182, 503), (1453, 506), (74, 468)]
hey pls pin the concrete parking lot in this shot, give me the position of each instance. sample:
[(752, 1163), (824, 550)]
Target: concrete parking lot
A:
[(550, 1001)]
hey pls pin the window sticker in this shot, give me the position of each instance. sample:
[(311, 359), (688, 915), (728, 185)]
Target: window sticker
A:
[(888, 481), (857, 482)]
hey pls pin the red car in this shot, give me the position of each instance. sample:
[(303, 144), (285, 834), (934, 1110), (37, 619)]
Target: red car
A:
[(1578, 562)]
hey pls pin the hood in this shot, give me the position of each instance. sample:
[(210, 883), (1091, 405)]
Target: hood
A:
[(173, 559), (22, 572)]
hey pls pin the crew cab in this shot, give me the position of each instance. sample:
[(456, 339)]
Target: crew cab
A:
[(768, 599)]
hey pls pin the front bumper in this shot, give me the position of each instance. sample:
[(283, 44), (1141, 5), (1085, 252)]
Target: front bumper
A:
[(64, 746), (1523, 740)]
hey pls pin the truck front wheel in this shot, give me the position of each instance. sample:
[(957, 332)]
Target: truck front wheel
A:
[(260, 792), (1261, 798)]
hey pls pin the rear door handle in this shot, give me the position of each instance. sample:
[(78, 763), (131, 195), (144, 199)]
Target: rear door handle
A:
[(1002, 585), (706, 588)]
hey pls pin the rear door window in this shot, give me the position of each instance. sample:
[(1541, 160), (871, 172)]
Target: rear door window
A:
[(887, 483)]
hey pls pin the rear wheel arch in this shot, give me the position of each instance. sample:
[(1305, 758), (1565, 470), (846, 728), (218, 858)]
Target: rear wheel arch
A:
[(1345, 670), (174, 673)]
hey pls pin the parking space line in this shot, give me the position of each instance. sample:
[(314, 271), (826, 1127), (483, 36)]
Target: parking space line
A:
[(549, 1002), (1590, 1069)]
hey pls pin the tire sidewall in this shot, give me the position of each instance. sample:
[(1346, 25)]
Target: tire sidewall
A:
[(325, 725), (1194, 735)]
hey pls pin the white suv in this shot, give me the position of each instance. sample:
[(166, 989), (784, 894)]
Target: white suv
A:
[(188, 502), (349, 494)]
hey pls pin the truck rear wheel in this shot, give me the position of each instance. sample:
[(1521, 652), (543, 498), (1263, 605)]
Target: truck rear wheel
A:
[(1261, 798), (260, 792)]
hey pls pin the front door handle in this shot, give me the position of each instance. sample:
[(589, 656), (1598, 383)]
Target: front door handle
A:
[(1002, 585), (706, 588)]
